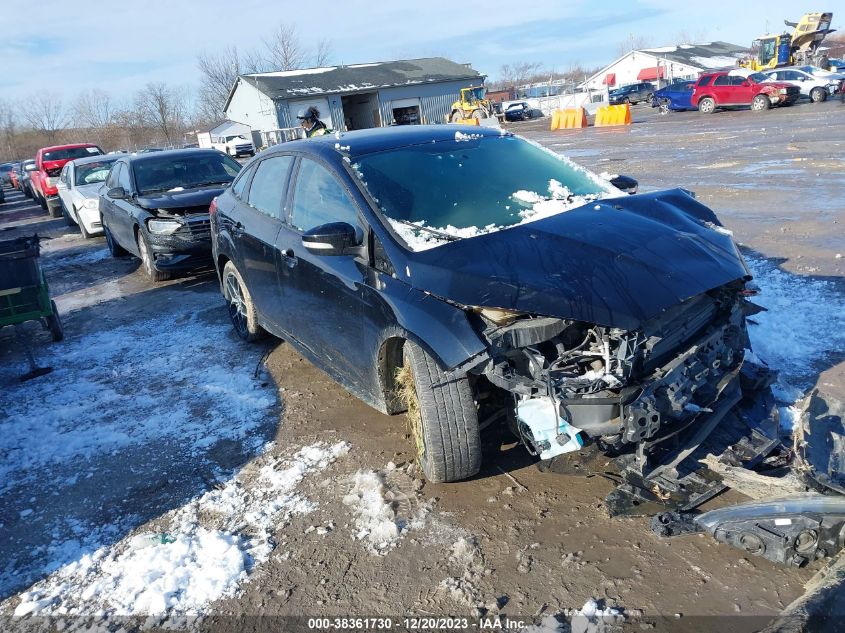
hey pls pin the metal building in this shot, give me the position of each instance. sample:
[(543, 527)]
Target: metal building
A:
[(351, 97)]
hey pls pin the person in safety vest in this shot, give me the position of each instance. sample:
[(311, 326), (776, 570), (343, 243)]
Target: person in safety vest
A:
[(310, 121)]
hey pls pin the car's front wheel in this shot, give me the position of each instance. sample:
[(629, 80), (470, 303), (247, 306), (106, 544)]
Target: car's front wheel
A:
[(443, 418), (707, 105), (115, 249), (241, 308), (817, 95), (147, 260), (760, 103)]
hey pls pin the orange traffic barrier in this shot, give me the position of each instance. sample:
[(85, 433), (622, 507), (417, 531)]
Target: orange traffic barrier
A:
[(568, 119), (613, 115)]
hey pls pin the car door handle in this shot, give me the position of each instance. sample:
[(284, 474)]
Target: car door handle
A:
[(289, 257), (237, 228)]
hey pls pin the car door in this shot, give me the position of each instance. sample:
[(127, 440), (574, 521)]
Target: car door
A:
[(122, 223), (743, 89), (722, 90), (256, 223), (106, 202), (64, 187), (322, 294)]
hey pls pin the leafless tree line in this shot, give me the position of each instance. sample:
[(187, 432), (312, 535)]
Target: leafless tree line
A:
[(157, 114)]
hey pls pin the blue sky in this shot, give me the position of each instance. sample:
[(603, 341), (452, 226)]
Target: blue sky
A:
[(71, 47)]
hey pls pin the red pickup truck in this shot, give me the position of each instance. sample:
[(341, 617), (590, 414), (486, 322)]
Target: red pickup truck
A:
[(48, 165)]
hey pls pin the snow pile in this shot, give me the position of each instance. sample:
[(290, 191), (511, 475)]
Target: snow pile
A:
[(714, 61), (461, 137), (182, 570), (591, 618), (374, 512)]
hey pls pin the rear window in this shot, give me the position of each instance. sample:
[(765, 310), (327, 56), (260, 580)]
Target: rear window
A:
[(5, 168), (705, 81), (166, 173), (70, 153)]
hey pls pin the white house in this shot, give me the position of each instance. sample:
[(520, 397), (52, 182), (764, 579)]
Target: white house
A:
[(221, 132), (665, 64)]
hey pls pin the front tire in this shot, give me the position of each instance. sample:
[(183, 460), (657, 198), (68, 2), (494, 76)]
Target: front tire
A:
[(147, 260), (707, 105), (760, 103), (456, 116), (68, 220), (241, 308), (443, 419), (818, 95)]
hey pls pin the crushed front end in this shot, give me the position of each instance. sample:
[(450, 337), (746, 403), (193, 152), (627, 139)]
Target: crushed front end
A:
[(621, 388)]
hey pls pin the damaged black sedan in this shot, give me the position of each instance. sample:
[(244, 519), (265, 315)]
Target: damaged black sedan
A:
[(155, 206), (466, 275)]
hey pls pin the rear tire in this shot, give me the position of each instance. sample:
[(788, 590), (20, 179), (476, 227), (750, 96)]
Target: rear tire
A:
[(818, 95), (147, 260), (445, 425), (760, 103), (707, 105), (241, 308)]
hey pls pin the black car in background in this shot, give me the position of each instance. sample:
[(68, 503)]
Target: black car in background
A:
[(633, 93), (5, 174), (155, 206), (467, 275)]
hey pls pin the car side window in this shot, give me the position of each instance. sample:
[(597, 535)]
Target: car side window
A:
[(63, 175), (123, 179), (705, 81), (319, 198), (111, 181), (268, 185), (736, 80), (722, 80), (240, 183)]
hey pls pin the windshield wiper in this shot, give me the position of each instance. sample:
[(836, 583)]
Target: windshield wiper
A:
[(440, 234), (210, 182)]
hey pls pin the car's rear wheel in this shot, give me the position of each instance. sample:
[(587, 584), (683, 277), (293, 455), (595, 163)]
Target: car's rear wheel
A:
[(241, 308), (443, 418), (707, 105), (760, 103), (817, 95), (115, 249), (147, 260)]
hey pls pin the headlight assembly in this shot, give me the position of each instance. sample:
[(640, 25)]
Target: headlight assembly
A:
[(163, 227)]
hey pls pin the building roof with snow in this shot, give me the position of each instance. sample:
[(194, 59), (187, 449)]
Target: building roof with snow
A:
[(357, 77), (667, 63)]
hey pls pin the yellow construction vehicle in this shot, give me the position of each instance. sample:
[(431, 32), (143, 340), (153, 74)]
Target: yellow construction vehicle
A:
[(472, 105), (796, 48)]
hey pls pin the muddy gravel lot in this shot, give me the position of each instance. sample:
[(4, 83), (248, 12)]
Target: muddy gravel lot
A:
[(166, 467)]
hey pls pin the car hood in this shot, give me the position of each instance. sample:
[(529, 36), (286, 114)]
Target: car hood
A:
[(180, 199), (618, 262), (89, 191)]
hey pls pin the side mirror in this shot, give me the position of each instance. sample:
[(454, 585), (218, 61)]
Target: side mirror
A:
[(117, 193), (626, 184), (334, 238), (30, 167)]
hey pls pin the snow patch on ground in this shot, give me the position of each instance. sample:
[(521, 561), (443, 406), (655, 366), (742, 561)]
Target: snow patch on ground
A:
[(382, 513), (591, 618), (805, 321), (108, 392), (209, 548)]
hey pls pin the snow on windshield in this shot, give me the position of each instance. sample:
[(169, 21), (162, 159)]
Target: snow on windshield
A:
[(474, 185)]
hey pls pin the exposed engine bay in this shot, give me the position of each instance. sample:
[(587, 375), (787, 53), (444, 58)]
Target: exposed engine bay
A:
[(619, 387)]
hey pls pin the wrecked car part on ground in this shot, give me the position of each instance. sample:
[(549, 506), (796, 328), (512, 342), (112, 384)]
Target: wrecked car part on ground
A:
[(791, 531)]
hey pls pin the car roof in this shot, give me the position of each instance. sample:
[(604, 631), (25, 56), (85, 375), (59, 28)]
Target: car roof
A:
[(361, 142), (169, 153), (69, 146), (96, 158)]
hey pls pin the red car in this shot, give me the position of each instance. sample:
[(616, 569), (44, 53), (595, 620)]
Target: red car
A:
[(48, 165), (732, 88)]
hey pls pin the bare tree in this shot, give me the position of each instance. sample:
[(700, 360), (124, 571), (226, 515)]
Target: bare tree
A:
[(323, 53), (46, 114), (633, 43), (8, 130), (284, 49), (690, 37), (163, 108), (518, 74)]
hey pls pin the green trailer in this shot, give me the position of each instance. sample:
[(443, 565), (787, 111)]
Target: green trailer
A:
[(25, 295)]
